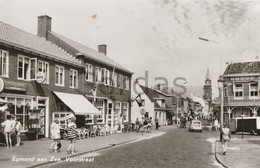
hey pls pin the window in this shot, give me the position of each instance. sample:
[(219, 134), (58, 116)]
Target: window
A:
[(26, 68), (125, 112), (44, 68), (253, 89), (20, 107), (101, 107), (114, 80), (126, 83), (105, 76), (4, 62), (117, 111), (98, 75), (60, 116), (120, 81), (89, 73), (73, 78), (59, 75), (238, 91), (89, 119)]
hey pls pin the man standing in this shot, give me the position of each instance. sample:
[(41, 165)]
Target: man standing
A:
[(8, 129), (156, 123)]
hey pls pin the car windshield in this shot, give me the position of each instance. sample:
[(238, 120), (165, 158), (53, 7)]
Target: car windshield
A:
[(196, 122)]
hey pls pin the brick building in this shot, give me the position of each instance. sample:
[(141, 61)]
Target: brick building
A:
[(49, 75)]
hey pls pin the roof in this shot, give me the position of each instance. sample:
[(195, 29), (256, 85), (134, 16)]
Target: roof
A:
[(238, 68), (150, 93), (21, 39), (91, 53)]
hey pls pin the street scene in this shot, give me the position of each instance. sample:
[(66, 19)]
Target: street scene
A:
[(120, 83)]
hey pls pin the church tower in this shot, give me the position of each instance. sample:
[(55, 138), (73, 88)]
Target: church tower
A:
[(207, 89)]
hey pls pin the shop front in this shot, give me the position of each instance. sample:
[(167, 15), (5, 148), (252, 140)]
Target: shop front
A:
[(75, 104), (30, 110)]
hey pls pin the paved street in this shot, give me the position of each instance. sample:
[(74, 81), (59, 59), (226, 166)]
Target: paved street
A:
[(175, 148)]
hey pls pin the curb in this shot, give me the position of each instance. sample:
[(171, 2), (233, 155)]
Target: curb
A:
[(218, 160), (82, 153)]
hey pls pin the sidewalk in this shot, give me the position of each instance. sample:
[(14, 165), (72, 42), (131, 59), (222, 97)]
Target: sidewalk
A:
[(241, 153), (33, 153)]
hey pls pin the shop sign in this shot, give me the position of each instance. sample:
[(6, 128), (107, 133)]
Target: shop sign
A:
[(10, 85), (1, 85), (40, 77)]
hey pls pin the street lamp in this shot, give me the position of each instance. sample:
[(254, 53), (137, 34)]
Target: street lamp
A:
[(221, 80)]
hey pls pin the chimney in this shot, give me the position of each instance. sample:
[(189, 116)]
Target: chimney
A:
[(44, 25), (102, 49)]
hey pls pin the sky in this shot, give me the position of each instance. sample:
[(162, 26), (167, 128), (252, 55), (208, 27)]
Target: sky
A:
[(157, 36)]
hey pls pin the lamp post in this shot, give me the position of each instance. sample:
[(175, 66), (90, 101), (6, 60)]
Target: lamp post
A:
[(220, 80)]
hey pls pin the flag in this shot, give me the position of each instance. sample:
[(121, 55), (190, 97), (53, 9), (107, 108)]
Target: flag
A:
[(138, 100), (94, 91)]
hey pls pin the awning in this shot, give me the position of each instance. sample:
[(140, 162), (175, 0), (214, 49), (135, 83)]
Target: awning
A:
[(77, 103)]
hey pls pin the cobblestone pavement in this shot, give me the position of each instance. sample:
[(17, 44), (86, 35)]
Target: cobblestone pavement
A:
[(175, 148)]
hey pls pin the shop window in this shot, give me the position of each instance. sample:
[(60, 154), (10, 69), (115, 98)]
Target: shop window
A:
[(125, 112), (44, 68), (4, 62), (73, 78), (253, 90), (89, 119), (114, 80), (100, 106), (120, 81), (20, 108), (117, 111), (89, 73), (61, 116), (59, 75)]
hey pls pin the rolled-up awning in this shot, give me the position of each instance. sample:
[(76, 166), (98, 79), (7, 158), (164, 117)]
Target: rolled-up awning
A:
[(77, 103)]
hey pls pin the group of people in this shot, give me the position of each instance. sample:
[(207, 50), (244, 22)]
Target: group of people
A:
[(72, 135), (12, 127), (146, 123)]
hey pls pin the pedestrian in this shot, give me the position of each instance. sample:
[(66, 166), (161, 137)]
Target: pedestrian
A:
[(8, 129), (18, 128), (156, 123), (225, 137), (137, 123), (216, 124), (55, 135), (150, 124), (72, 135), (141, 124)]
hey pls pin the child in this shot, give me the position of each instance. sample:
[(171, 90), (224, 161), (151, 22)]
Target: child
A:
[(72, 135), (55, 135)]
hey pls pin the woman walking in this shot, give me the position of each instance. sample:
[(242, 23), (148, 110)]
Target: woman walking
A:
[(225, 138), (18, 128), (72, 135)]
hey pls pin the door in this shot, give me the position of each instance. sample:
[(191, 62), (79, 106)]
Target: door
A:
[(43, 106)]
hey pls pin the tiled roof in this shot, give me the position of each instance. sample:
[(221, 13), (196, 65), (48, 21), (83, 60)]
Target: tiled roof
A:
[(22, 39), (91, 53), (243, 68), (150, 93)]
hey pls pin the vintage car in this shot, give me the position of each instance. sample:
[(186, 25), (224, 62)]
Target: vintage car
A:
[(195, 126)]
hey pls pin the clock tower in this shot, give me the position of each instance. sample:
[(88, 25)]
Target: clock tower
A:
[(207, 89)]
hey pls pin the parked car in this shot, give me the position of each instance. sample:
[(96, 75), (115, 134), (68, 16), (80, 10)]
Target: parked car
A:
[(195, 126)]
